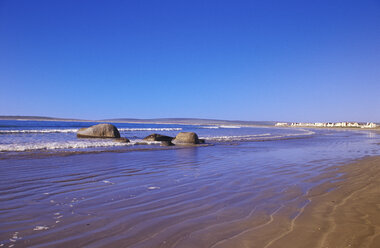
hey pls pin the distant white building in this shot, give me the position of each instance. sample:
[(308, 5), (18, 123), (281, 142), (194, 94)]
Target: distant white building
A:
[(341, 124), (319, 124), (353, 124), (369, 125), (281, 124), (328, 124)]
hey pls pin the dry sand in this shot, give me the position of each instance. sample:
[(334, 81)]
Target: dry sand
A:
[(344, 213)]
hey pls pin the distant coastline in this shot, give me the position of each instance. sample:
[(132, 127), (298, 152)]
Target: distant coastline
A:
[(199, 121), (36, 118), (182, 121)]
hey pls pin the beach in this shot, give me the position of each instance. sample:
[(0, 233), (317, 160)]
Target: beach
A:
[(343, 213), (339, 213), (248, 187), (189, 124)]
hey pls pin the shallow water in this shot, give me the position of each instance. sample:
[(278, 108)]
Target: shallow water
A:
[(35, 136), (226, 195)]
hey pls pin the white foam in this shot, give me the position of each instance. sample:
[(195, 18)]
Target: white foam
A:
[(74, 130), (153, 187), (143, 142), (306, 132), (59, 145), (78, 144), (39, 228), (210, 127), (107, 182), (150, 129), (235, 137), (222, 126), (225, 126)]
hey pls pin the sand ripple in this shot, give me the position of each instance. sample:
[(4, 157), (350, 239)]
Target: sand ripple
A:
[(288, 193)]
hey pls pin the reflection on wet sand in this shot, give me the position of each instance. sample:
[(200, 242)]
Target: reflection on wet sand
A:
[(289, 193)]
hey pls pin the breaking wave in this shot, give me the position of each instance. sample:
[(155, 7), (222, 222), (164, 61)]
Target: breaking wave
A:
[(70, 145), (216, 127), (58, 145), (225, 126), (235, 137), (74, 130)]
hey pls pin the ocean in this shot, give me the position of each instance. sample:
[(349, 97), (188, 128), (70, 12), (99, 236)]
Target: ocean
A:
[(240, 189), (59, 136)]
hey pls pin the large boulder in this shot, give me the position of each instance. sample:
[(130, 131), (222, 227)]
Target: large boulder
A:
[(158, 137), (186, 138), (99, 131)]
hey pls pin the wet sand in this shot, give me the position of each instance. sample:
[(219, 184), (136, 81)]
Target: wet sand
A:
[(343, 213), (289, 193)]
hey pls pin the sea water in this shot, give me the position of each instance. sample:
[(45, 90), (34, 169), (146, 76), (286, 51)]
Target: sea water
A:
[(34, 136), (61, 191)]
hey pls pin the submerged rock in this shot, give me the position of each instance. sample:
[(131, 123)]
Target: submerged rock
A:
[(99, 131), (141, 143), (166, 143), (186, 138), (158, 137), (122, 140)]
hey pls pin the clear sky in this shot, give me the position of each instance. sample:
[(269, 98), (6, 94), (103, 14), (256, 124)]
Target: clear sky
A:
[(244, 60)]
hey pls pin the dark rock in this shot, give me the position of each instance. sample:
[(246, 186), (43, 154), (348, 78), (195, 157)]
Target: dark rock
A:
[(122, 140), (202, 141), (158, 137), (166, 143), (186, 138), (99, 131), (141, 143)]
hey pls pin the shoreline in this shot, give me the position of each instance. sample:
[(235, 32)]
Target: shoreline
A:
[(190, 122), (245, 196)]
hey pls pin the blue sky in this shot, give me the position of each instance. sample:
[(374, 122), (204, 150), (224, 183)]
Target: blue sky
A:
[(244, 60)]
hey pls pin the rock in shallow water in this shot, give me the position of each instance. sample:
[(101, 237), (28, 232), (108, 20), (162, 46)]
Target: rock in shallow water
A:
[(166, 143), (158, 137), (99, 131), (186, 138), (122, 140)]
